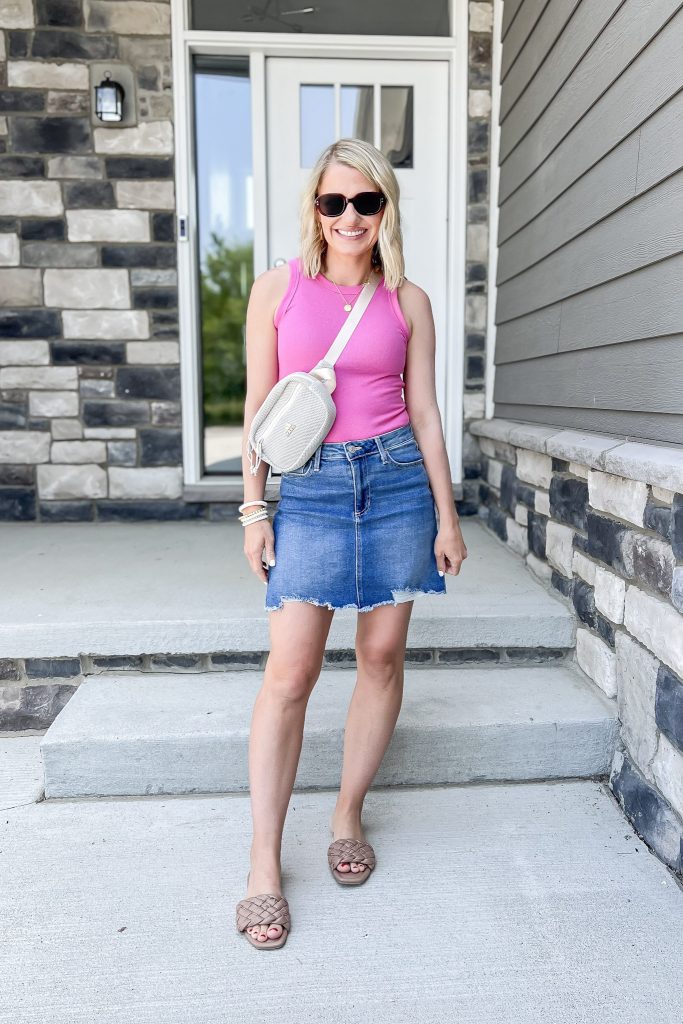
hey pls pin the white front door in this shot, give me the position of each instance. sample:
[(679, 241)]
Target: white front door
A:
[(401, 106)]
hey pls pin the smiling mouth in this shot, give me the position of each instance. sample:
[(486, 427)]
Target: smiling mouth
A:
[(355, 234)]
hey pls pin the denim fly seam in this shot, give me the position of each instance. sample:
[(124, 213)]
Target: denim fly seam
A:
[(365, 504)]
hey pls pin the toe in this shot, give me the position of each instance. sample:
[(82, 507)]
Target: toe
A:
[(274, 931), (344, 867)]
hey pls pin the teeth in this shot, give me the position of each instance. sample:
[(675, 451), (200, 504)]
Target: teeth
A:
[(351, 234)]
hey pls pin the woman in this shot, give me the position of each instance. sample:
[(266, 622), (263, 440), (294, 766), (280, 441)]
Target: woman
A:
[(356, 524)]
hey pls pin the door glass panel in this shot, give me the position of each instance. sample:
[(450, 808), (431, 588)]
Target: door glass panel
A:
[(225, 238), (390, 18), (316, 113), (397, 124), (357, 112)]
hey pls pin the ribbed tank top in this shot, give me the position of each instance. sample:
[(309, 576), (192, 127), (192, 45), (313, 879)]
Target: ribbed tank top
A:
[(369, 391)]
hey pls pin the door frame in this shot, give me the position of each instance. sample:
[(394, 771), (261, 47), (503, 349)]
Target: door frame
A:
[(258, 46)]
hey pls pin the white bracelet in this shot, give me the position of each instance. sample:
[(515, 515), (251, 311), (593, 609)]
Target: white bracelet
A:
[(256, 501)]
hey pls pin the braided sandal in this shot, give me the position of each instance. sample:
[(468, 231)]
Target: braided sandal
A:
[(268, 909), (344, 850)]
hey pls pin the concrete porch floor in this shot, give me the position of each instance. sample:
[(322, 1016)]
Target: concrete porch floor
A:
[(516, 903), (137, 588)]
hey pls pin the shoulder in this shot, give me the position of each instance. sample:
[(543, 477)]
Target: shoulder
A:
[(270, 287), (414, 302)]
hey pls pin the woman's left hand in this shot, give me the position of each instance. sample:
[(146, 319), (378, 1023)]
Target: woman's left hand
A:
[(450, 550)]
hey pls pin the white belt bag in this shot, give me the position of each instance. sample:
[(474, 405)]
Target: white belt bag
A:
[(298, 411)]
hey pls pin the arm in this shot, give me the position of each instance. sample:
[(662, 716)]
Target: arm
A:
[(423, 410)]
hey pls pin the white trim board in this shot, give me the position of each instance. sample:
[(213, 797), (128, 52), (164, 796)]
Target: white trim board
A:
[(259, 45)]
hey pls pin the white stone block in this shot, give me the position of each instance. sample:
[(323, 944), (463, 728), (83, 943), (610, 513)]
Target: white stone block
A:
[(576, 469), (24, 353), (145, 195), (474, 404), (154, 352), (657, 625), (662, 494), (3, 120), (517, 537), (17, 14), (475, 311), (66, 430), (539, 568), (481, 17), (68, 166), (542, 503), (53, 403), (79, 451), (30, 198), (148, 482), (20, 286), (10, 250), (477, 242), (43, 378), (87, 289), (81, 481), (107, 226), (558, 547), (583, 567), (110, 433), (597, 660), (652, 463), (24, 446), (521, 515), (625, 499), (610, 593), (534, 468), (479, 103), (108, 323), (494, 472), (667, 770), (35, 74), (636, 688), (127, 17), (146, 138)]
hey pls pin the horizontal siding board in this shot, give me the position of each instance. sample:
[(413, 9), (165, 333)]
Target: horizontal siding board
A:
[(636, 376), (648, 229), (637, 425), (661, 143), (519, 33), (600, 192), (568, 51), (625, 36), (645, 304), (644, 87), (510, 9), (541, 40)]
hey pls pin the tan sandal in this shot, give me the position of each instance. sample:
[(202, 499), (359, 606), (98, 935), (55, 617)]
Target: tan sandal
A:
[(344, 850), (266, 908)]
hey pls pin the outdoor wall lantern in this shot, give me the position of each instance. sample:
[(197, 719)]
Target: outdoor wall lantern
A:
[(109, 99)]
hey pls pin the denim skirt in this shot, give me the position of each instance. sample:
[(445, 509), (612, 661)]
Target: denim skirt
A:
[(355, 526)]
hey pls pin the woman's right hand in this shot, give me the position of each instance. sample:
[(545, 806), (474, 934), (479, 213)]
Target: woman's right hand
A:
[(257, 536)]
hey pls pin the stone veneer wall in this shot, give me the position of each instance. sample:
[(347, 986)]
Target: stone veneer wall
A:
[(600, 520), (90, 414)]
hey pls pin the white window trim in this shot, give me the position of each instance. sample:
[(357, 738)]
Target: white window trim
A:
[(259, 45), (494, 177)]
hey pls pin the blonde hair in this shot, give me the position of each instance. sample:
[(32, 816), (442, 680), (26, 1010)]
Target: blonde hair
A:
[(387, 254)]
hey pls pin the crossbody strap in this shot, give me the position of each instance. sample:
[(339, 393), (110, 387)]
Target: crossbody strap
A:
[(339, 343)]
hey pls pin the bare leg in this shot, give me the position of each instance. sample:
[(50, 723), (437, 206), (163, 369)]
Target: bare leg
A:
[(298, 633), (373, 711)]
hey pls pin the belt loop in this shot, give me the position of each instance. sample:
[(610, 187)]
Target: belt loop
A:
[(316, 458), (380, 445)]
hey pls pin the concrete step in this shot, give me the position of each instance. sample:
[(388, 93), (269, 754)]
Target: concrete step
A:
[(103, 589), (136, 734)]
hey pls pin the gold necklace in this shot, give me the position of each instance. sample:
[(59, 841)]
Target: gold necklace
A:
[(347, 306)]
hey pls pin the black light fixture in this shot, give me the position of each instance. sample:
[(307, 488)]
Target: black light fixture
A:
[(109, 99)]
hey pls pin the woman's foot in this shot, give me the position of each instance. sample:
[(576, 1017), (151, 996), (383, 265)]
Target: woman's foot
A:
[(346, 825), (263, 879)]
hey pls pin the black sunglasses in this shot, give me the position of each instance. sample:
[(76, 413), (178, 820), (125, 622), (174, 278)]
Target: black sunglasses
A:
[(333, 204)]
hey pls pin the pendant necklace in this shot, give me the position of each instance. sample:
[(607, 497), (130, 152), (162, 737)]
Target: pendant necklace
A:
[(347, 305)]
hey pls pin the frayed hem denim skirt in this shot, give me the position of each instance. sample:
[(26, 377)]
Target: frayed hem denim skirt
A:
[(355, 526)]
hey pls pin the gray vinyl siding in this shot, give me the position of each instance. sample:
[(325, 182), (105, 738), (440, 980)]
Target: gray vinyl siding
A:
[(589, 308)]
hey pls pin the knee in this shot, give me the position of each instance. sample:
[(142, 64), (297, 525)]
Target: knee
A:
[(379, 660), (290, 684)]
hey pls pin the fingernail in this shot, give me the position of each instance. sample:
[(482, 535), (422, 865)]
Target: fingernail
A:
[(271, 562), (440, 572)]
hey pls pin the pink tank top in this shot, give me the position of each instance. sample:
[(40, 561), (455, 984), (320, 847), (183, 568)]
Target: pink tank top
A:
[(369, 391)]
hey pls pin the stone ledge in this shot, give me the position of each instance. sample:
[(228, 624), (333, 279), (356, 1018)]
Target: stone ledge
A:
[(649, 462)]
